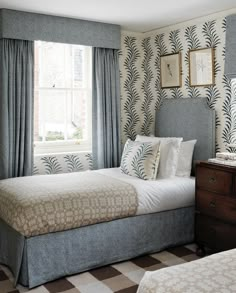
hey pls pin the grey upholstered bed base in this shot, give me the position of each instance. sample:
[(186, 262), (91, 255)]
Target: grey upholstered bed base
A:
[(43, 258)]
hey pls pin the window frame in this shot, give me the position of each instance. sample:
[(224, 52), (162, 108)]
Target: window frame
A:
[(70, 145)]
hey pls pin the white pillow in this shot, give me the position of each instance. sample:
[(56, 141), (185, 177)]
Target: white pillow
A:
[(140, 159), (169, 153), (185, 158)]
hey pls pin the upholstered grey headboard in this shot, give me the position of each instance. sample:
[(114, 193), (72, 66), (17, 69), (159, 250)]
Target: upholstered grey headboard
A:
[(190, 119)]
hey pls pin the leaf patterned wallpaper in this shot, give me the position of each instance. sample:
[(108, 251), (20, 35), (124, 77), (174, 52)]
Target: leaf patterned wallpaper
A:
[(141, 93), (62, 163)]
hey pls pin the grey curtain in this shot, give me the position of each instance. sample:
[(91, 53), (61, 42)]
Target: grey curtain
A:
[(106, 108), (16, 107), (230, 46)]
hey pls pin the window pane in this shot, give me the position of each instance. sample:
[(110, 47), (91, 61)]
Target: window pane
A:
[(77, 118), (52, 115), (37, 136), (54, 65), (78, 56), (81, 59)]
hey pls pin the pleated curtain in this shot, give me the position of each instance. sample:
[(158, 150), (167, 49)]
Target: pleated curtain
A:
[(16, 107), (106, 108)]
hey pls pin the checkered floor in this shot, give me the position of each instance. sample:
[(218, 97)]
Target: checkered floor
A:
[(122, 277)]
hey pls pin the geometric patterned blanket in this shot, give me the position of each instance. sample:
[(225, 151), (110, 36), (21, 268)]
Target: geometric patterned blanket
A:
[(212, 274), (37, 205)]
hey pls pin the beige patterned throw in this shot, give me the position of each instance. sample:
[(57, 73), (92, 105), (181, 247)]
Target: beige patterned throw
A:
[(212, 274), (49, 203)]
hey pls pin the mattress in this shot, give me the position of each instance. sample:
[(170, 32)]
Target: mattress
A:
[(215, 273), (51, 203), (159, 195), (36, 205)]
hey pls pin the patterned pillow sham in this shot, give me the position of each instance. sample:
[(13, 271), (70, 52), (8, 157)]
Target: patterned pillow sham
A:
[(140, 159), (169, 148)]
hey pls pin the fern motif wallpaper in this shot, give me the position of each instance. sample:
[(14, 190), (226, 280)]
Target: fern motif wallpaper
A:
[(140, 78), (62, 163)]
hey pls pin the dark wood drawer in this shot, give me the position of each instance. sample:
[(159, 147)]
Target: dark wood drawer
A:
[(215, 234), (214, 180), (215, 205), (234, 195)]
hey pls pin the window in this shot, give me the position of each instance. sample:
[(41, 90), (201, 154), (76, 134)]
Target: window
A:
[(62, 103)]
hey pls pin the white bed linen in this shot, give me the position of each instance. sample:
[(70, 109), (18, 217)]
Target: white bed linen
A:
[(159, 195)]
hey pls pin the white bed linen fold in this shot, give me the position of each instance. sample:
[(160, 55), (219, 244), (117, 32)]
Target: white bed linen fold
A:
[(159, 195)]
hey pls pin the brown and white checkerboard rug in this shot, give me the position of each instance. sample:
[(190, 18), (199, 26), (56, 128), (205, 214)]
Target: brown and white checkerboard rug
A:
[(122, 277)]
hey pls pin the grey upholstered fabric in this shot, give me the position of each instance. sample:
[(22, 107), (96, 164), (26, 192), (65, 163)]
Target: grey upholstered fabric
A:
[(190, 119), (11, 248), (54, 255), (106, 108), (230, 46), (33, 26), (16, 111)]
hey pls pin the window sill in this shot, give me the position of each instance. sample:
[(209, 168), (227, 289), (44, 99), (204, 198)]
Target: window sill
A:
[(61, 147)]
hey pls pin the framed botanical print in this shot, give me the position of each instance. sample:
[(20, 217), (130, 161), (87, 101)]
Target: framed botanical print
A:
[(201, 67), (171, 70)]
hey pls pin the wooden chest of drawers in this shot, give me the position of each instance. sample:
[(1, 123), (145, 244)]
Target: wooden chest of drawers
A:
[(215, 225)]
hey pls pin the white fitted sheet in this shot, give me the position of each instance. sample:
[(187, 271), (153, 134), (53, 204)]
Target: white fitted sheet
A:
[(159, 195)]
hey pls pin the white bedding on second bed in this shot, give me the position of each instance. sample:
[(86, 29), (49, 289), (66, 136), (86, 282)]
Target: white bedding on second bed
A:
[(159, 195)]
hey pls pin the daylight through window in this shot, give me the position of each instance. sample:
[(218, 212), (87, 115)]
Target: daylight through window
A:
[(62, 115)]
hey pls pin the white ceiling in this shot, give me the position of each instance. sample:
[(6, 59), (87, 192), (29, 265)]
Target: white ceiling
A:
[(133, 15)]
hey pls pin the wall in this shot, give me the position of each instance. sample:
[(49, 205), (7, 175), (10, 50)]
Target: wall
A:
[(131, 78), (62, 163), (140, 76)]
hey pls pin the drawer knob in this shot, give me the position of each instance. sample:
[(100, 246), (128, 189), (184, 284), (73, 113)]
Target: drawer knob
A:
[(212, 204), (212, 179)]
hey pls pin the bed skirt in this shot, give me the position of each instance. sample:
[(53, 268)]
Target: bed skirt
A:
[(40, 259)]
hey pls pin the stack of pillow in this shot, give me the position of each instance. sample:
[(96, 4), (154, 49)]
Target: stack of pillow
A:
[(152, 158)]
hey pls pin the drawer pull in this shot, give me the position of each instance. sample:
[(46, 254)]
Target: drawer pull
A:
[(212, 204), (212, 180)]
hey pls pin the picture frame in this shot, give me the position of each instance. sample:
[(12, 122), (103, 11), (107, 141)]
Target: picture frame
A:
[(201, 67), (171, 70)]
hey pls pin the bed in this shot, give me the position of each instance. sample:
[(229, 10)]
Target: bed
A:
[(158, 221), (215, 273)]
